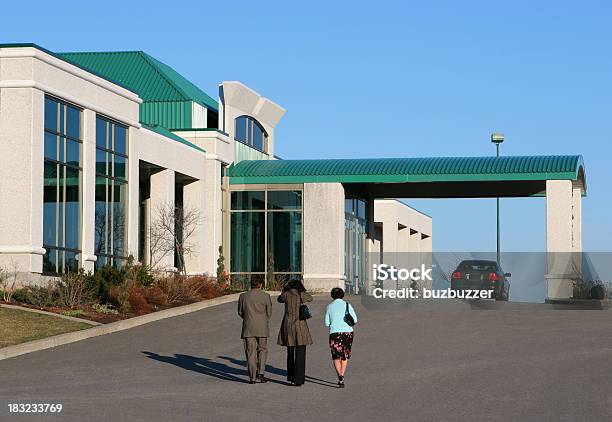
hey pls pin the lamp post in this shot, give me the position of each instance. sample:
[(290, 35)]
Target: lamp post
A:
[(497, 138)]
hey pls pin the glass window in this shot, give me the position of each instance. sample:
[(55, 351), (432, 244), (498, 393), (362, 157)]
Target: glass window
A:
[(62, 186), (110, 229), (248, 245), (51, 145), (284, 200), (266, 234), (241, 129), (51, 113), (248, 200), (119, 166), (101, 162), (250, 132), (73, 122), (120, 140), (73, 152), (285, 240), (258, 136), (101, 133)]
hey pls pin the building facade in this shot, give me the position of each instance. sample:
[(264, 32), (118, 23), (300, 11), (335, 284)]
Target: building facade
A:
[(100, 150)]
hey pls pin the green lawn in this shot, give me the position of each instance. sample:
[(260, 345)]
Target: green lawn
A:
[(18, 326)]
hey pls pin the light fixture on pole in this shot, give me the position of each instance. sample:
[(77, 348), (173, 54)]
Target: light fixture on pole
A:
[(497, 138)]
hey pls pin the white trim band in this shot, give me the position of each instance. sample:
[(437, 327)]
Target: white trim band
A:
[(18, 250), (70, 68), (332, 276), (69, 98)]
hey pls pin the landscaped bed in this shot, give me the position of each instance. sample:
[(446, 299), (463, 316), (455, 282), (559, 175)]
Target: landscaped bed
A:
[(18, 326), (112, 294)]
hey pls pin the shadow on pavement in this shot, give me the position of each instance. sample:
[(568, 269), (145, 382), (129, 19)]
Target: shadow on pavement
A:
[(223, 371), (281, 372)]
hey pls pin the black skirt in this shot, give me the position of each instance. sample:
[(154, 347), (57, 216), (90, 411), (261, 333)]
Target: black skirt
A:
[(341, 345)]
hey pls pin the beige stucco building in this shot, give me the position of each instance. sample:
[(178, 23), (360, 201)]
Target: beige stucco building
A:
[(97, 150), (96, 147)]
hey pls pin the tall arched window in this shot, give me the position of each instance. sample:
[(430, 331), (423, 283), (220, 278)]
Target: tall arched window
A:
[(251, 133)]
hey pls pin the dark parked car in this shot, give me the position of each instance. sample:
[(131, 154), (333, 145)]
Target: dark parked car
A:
[(481, 275)]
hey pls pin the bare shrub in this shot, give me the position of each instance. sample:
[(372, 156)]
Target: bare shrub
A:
[(8, 281), (181, 289), (72, 289)]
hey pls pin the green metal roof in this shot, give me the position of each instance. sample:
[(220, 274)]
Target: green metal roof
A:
[(165, 132), (151, 79), (400, 170)]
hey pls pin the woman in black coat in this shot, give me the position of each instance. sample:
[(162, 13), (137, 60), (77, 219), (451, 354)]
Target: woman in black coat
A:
[(294, 333)]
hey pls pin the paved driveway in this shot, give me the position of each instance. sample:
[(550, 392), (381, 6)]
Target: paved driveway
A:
[(408, 365)]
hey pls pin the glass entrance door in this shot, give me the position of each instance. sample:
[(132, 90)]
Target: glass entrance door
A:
[(354, 244)]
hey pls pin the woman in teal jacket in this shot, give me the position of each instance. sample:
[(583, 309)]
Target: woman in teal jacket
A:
[(340, 333)]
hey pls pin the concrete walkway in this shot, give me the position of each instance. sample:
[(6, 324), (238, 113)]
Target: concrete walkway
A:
[(408, 365)]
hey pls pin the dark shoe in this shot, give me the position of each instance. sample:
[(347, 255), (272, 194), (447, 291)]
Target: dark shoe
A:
[(262, 379), (252, 382), (340, 382), (298, 385)]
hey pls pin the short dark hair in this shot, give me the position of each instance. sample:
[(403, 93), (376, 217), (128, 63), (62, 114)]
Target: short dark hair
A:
[(256, 283), (337, 293)]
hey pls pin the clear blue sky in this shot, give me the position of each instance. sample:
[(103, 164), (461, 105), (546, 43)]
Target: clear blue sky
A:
[(387, 79)]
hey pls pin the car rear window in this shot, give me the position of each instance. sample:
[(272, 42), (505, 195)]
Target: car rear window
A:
[(477, 266)]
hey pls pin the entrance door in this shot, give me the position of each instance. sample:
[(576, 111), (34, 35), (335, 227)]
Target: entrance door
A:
[(354, 244)]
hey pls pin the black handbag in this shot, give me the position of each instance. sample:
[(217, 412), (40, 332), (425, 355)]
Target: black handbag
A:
[(304, 311), (348, 318)]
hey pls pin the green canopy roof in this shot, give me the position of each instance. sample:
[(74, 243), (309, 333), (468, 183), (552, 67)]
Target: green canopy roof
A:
[(151, 79), (402, 170)]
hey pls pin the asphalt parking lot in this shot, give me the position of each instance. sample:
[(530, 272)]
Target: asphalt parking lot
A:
[(519, 363)]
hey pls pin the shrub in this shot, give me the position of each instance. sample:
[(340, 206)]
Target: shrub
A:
[(171, 287), (156, 296), (72, 289), (104, 309), (8, 282), (137, 299), (120, 295), (103, 280), (38, 296), (181, 289)]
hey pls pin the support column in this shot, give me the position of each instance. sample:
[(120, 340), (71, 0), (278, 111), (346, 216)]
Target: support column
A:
[(21, 179), (323, 235), (211, 205), (133, 209), (89, 191), (194, 199), (162, 199), (563, 238)]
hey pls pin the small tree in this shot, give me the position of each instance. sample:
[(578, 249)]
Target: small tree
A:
[(171, 232), (222, 277)]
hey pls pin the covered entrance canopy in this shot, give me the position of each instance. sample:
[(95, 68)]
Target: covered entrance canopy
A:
[(561, 178), (435, 177)]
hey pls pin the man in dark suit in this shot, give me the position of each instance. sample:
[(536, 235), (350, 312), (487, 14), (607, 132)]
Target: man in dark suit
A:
[(255, 309)]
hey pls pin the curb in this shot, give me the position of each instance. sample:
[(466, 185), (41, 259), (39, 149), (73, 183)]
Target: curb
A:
[(39, 311), (113, 327)]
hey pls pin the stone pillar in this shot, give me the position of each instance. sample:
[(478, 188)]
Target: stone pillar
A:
[(563, 238), (162, 199), (133, 209), (21, 179), (323, 236), (194, 198), (89, 191), (211, 205)]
